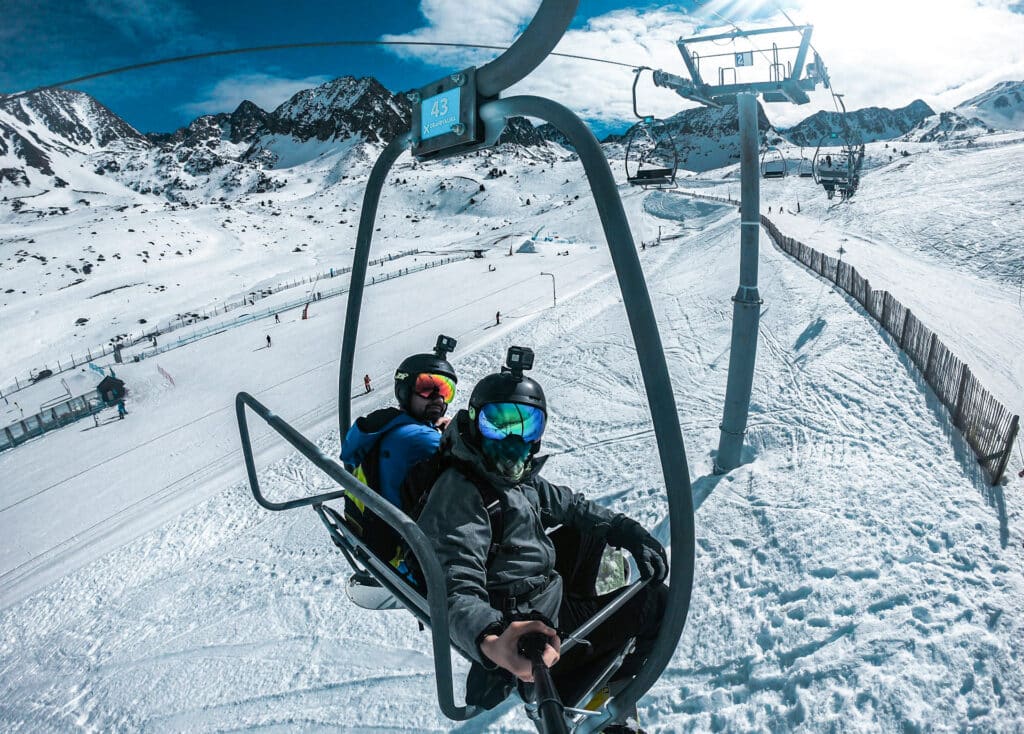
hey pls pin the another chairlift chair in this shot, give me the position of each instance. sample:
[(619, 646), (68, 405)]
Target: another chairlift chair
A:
[(839, 170), (773, 163), (652, 159), (805, 169)]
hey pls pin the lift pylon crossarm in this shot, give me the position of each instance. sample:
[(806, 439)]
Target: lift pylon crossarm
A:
[(793, 87), (738, 33)]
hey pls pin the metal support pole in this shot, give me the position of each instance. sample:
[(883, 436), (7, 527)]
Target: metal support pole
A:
[(371, 198), (654, 370), (746, 313), (554, 298)]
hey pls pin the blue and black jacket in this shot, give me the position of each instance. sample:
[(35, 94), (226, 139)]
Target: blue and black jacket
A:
[(379, 449)]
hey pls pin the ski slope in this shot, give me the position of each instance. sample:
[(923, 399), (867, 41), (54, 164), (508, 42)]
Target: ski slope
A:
[(856, 573)]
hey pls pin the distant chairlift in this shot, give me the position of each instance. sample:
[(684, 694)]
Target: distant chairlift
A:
[(652, 159), (837, 168), (805, 169), (773, 163)]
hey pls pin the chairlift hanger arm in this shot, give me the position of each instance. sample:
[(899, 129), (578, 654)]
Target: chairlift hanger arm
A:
[(360, 261), (636, 78), (437, 598), (529, 50), (651, 356)]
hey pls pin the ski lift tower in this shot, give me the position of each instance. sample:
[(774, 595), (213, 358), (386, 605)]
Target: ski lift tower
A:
[(739, 83)]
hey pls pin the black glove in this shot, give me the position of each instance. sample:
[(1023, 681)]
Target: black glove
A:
[(648, 553)]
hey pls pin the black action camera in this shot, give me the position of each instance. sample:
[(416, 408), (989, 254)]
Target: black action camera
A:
[(518, 360), (444, 345)]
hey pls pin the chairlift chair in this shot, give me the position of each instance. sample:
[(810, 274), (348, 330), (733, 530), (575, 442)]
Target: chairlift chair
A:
[(837, 167), (481, 117), (652, 159), (805, 169), (773, 163)]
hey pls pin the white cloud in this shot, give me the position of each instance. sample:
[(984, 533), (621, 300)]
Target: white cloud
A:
[(886, 53), (264, 90), (879, 52), (597, 91), (493, 23)]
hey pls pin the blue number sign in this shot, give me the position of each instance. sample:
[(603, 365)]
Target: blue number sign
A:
[(439, 113)]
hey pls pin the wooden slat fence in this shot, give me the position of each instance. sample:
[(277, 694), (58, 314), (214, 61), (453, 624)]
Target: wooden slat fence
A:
[(988, 426)]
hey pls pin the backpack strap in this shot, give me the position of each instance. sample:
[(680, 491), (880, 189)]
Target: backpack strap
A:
[(494, 502)]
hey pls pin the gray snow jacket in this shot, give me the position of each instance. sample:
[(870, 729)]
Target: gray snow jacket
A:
[(455, 521)]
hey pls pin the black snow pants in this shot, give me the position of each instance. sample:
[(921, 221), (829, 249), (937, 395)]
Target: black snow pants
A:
[(638, 618), (578, 561)]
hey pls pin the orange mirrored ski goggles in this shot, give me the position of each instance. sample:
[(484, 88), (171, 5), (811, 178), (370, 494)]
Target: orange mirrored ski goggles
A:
[(428, 385)]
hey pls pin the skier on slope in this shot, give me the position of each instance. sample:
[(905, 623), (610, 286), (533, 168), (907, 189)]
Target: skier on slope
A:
[(531, 582)]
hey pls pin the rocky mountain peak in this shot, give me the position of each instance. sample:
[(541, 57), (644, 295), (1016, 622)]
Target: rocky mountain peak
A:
[(870, 123), (75, 117), (339, 109), (1002, 106)]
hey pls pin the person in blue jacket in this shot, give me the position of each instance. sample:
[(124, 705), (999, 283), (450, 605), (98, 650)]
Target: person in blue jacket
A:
[(381, 447)]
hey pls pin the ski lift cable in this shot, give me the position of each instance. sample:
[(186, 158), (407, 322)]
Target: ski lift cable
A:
[(836, 99), (285, 47), (738, 30), (786, 16)]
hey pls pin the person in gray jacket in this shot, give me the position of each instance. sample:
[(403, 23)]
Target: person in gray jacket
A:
[(497, 594)]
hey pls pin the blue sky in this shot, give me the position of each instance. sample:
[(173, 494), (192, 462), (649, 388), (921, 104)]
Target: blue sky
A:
[(879, 52)]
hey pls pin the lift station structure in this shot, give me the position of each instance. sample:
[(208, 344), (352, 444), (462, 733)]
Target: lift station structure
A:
[(740, 80)]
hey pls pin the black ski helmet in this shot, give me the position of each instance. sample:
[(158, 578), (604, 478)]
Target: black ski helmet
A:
[(418, 364), (508, 386)]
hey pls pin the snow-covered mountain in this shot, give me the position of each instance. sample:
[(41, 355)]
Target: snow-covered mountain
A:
[(705, 137), (1002, 106), (946, 126), (871, 123), (41, 134), (241, 127), (51, 138)]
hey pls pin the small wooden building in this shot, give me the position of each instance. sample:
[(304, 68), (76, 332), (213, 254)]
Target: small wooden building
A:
[(111, 389)]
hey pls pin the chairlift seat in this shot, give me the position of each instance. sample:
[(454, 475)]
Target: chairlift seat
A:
[(385, 589), (833, 176), (651, 174), (653, 177)]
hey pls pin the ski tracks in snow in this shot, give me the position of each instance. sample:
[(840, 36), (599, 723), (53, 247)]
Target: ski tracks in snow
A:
[(818, 574)]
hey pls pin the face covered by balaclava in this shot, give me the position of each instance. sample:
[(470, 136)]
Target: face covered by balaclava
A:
[(508, 457)]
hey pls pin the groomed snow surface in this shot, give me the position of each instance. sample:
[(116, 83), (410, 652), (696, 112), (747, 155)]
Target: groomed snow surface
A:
[(856, 573)]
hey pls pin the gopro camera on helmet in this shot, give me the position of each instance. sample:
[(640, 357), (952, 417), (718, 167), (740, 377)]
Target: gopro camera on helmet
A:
[(444, 345), (518, 360)]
